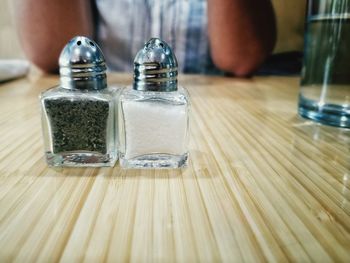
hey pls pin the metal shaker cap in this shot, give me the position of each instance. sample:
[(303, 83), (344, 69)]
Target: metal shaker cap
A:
[(82, 65), (155, 67)]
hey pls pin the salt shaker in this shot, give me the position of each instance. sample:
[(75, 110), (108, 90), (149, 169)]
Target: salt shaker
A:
[(78, 115), (154, 112)]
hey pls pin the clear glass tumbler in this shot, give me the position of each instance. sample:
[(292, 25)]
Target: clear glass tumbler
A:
[(325, 81)]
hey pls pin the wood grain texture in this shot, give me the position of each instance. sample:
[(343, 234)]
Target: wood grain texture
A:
[(262, 185)]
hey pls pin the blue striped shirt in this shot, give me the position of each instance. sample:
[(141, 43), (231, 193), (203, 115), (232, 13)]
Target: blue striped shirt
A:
[(123, 26)]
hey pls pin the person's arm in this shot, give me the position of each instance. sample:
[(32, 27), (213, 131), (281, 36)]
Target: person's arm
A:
[(242, 33), (45, 26)]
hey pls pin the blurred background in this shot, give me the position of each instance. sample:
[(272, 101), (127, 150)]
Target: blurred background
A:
[(9, 44), (289, 14)]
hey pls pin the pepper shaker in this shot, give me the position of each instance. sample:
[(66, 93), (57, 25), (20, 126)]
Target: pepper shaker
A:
[(78, 115), (154, 112)]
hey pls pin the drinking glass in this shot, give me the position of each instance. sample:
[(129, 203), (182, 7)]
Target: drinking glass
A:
[(325, 81)]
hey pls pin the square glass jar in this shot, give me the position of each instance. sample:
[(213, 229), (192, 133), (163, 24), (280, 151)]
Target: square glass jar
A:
[(153, 128), (79, 127)]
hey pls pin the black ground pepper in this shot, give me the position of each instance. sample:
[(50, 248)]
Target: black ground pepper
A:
[(78, 125)]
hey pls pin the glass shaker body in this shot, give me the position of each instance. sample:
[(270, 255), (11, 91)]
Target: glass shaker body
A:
[(79, 127), (153, 128)]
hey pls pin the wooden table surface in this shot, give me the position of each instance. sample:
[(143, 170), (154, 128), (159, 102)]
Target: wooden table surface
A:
[(263, 185)]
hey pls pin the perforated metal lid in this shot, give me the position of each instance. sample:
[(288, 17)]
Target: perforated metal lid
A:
[(155, 67), (82, 65)]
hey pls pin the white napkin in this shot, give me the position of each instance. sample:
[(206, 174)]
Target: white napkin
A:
[(13, 68)]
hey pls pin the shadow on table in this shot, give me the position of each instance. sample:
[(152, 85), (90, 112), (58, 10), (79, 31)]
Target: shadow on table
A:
[(327, 148), (321, 133)]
